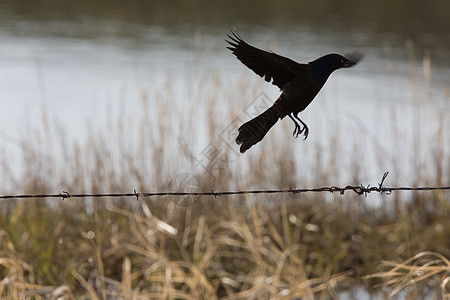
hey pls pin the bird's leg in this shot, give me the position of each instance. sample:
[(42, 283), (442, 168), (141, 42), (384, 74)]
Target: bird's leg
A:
[(297, 127), (298, 130)]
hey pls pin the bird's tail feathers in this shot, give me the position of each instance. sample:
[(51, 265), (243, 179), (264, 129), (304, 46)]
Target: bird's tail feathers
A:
[(254, 130)]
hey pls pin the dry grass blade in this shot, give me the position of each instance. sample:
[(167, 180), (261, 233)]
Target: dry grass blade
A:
[(414, 270), (126, 284), (92, 293)]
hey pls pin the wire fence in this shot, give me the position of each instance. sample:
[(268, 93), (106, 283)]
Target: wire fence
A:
[(359, 190)]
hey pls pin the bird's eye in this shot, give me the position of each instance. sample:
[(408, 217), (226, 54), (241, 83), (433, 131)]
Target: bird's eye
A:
[(342, 61)]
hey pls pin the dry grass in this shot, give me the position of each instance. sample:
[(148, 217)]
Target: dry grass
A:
[(421, 267), (306, 246)]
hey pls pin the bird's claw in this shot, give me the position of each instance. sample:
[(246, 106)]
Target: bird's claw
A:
[(298, 130), (306, 129)]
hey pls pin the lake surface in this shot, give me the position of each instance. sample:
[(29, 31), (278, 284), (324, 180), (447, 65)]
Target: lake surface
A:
[(75, 65)]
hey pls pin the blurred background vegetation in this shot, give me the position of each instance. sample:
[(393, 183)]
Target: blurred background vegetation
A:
[(408, 18)]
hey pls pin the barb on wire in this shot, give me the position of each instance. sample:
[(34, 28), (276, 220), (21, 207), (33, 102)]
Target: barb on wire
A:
[(293, 191), (380, 186), (359, 190), (64, 195), (138, 195)]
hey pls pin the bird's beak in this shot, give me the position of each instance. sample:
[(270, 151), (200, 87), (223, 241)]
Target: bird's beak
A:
[(348, 63), (352, 59)]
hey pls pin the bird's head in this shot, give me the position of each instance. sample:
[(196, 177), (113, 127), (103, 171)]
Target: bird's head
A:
[(325, 65)]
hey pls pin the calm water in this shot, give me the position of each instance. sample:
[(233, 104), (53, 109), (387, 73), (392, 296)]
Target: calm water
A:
[(80, 63)]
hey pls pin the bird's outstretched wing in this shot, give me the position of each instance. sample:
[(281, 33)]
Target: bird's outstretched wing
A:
[(266, 64)]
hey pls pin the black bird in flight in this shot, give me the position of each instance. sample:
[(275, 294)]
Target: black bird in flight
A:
[(299, 84)]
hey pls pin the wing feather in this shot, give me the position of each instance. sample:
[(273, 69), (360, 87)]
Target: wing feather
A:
[(269, 65)]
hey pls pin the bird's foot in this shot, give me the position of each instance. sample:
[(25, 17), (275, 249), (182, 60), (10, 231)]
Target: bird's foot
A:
[(306, 132), (298, 130)]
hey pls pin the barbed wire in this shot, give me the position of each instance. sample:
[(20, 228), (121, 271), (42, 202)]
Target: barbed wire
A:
[(359, 190)]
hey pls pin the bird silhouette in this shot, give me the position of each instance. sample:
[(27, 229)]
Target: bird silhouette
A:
[(298, 82)]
